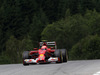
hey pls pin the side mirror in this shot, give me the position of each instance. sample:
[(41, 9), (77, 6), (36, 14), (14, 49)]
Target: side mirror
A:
[(51, 47), (35, 49)]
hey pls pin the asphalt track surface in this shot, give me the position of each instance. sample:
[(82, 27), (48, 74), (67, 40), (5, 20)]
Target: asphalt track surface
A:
[(83, 67)]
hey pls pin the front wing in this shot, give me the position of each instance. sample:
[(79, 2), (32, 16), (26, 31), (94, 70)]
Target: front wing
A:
[(51, 59)]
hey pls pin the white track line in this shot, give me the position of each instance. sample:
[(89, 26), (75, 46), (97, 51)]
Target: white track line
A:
[(98, 73)]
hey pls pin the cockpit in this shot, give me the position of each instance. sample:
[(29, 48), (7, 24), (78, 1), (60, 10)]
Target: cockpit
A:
[(43, 49)]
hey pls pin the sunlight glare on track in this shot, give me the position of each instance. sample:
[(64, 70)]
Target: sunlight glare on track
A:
[(98, 73)]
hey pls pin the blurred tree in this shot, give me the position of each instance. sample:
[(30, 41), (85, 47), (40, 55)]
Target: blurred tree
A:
[(67, 31), (15, 48), (39, 22), (92, 18), (87, 48)]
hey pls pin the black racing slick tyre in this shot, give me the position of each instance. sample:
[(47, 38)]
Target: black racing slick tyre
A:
[(64, 55), (25, 56), (58, 54)]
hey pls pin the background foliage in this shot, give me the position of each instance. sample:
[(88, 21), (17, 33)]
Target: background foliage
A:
[(87, 48), (71, 23)]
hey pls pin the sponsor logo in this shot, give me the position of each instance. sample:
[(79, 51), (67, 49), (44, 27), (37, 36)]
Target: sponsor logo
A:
[(25, 60), (41, 55)]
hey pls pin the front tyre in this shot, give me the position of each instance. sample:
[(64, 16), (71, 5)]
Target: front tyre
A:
[(25, 56), (58, 54), (64, 55)]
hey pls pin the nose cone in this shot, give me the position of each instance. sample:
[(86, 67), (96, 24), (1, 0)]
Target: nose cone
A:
[(41, 57)]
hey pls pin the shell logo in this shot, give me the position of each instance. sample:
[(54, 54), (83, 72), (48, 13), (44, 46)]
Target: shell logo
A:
[(41, 54), (26, 60)]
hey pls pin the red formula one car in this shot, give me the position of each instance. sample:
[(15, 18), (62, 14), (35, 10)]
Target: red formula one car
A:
[(45, 54)]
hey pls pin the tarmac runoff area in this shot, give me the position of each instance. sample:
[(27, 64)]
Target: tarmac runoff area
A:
[(83, 67)]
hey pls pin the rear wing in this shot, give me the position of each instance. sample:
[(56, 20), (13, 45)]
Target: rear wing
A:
[(49, 44)]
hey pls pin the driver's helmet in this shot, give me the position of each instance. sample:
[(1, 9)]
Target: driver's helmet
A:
[(43, 48)]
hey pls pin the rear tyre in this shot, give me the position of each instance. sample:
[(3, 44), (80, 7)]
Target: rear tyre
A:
[(25, 56), (64, 55), (58, 54)]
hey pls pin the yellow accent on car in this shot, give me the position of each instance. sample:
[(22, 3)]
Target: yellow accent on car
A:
[(41, 55), (26, 60)]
